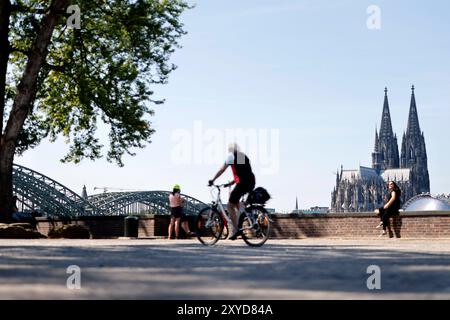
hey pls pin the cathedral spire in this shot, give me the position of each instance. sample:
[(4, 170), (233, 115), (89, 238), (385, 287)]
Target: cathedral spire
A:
[(413, 127), (387, 155), (386, 123), (376, 155), (414, 154), (84, 194), (376, 147)]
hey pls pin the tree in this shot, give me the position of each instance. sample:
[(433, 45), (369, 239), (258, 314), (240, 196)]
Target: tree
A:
[(57, 80)]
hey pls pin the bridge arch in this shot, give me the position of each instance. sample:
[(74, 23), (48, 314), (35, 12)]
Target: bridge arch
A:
[(38, 192), (120, 203)]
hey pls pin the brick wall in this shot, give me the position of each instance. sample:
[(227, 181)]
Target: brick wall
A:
[(360, 225), (100, 227), (113, 226)]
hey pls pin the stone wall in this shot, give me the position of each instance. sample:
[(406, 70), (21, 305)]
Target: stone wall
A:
[(355, 225), (362, 225)]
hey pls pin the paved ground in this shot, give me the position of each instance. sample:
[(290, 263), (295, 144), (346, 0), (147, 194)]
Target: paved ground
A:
[(184, 269)]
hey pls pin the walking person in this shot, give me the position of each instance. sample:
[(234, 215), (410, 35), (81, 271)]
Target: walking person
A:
[(176, 203), (391, 207)]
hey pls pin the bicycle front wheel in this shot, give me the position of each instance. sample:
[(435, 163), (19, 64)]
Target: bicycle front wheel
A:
[(209, 226), (255, 233)]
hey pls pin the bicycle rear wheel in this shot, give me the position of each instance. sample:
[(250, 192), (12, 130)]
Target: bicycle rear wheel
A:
[(209, 226), (255, 233)]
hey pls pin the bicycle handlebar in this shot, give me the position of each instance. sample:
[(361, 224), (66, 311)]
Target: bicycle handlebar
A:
[(223, 185), (218, 186)]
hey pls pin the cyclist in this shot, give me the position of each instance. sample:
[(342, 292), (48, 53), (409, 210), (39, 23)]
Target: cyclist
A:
[(243, 178)]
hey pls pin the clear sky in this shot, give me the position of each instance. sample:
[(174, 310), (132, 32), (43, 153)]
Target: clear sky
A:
[(307, 75)]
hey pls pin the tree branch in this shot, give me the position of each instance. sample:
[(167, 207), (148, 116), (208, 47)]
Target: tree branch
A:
[(55, 68), (26, 90), (20, 7), (24, 52)]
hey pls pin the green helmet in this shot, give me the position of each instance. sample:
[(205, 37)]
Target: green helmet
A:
[(176, 187)]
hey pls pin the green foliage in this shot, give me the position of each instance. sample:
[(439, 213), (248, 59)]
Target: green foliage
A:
[(101, 75)]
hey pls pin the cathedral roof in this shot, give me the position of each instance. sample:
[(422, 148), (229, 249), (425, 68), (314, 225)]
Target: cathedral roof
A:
[(362, 173), (349, 174), (396, 174), (365, 173)]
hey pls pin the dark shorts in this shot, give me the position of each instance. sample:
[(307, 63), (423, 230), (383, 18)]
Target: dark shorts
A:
[(386, 213), (239, 190), (176, 212)]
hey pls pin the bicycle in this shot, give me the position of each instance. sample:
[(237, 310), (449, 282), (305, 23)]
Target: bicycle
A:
[(254, 221)]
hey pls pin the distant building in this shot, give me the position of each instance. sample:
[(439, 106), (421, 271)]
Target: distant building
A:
[(365, 189), (317, 210), (312, 210), (84, 194)]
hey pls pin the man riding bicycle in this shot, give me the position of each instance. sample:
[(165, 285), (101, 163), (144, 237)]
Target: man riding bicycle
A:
[(243, 178)]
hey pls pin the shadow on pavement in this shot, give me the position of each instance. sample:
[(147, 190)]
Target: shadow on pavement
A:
[(153, 270)]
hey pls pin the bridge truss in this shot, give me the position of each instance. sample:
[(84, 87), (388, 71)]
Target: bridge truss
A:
[(37, 192)]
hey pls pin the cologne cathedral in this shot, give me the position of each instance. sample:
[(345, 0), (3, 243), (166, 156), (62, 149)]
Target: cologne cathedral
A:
[(365, 189)]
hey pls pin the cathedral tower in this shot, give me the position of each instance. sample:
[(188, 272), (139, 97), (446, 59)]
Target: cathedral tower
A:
[(414, 153), (385, 155)]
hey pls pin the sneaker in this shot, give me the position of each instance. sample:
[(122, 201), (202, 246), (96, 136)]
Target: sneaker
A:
[(383, 233), (191, 234), (379, 226)]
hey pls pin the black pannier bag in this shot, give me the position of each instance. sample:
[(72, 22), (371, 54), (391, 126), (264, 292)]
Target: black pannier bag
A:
[(258, 196)]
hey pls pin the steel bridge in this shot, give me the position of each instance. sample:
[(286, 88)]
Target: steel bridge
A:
[(37, 192)]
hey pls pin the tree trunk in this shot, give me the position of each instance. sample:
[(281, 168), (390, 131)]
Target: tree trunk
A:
[(6, 186), (5, 13), (5, 174), (26, 93)]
